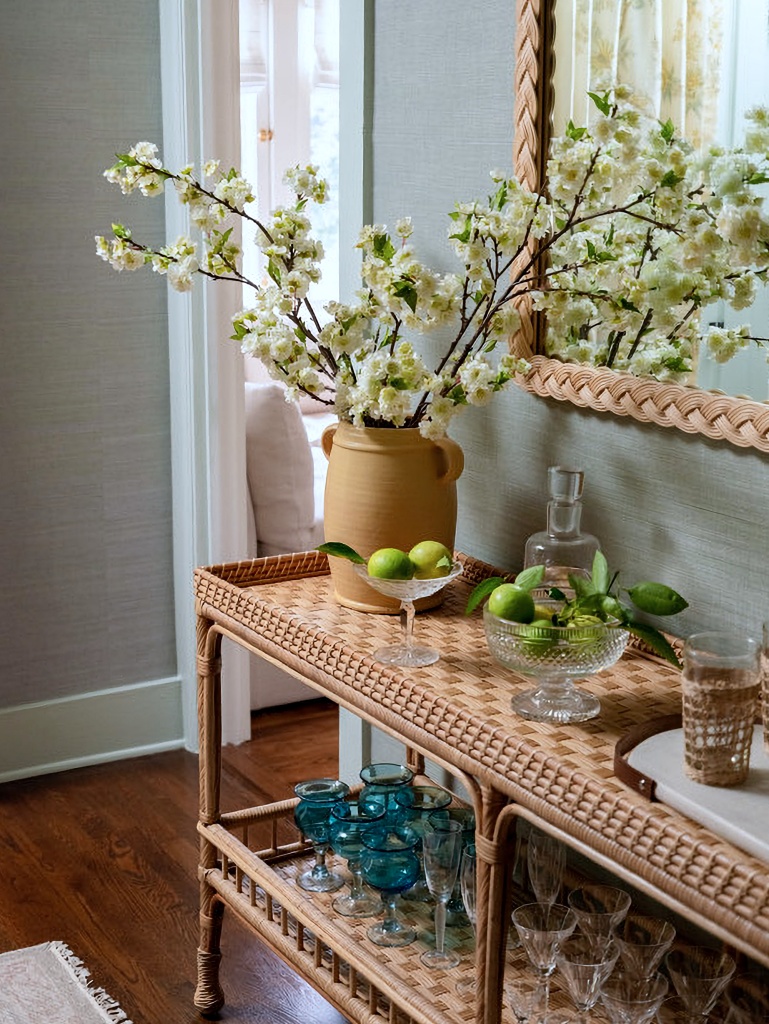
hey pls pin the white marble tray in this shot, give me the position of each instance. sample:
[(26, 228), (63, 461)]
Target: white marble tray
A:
[(737, 813)]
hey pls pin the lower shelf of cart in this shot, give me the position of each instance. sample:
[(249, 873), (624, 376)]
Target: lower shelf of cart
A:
[(366, 982)]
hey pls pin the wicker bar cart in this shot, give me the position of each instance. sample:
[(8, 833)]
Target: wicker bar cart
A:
[(456, 712)]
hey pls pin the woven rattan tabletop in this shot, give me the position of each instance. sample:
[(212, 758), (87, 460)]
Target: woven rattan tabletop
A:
[(459, 711)]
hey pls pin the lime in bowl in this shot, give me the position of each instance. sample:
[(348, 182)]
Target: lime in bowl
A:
[(555, 656)]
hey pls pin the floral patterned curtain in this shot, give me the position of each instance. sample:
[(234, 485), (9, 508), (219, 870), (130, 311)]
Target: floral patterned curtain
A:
[(669, 50)]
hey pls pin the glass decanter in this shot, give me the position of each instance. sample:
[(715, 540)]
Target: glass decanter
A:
[(563, 548)]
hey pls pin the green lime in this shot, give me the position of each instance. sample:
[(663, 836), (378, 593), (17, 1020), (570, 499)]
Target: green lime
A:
[(390, 564), (543, 612), (538, 636), (511, 603), (431, 559)]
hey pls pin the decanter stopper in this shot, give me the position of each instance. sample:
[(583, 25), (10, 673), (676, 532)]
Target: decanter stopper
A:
[(562, 548)]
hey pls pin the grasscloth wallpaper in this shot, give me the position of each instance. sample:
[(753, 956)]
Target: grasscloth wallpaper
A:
[(86, 596)]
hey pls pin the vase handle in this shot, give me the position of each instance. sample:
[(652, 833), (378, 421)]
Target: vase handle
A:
[(327, 439), (453, 459)]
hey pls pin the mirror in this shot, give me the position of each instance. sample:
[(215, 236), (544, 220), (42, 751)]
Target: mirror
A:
[(741, 421)]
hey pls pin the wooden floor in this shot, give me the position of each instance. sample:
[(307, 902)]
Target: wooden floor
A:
[(104, 859)]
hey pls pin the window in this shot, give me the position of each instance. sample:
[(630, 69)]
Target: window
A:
[(289, 61)]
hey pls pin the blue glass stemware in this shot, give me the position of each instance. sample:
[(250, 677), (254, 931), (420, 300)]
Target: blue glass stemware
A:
[(415, 805), (390, 865), (312, 816), (348, 823), (382, 780)]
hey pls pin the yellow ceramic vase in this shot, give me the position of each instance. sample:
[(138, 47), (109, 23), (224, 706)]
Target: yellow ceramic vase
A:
[(386, 487)]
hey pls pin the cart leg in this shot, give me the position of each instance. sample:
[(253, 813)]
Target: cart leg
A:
[(209, 997)]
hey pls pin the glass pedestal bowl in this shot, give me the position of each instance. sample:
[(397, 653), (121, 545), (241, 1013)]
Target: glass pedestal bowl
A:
[(555, 656), (407, 654)]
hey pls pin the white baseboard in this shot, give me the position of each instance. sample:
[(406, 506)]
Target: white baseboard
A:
[(90, 728)]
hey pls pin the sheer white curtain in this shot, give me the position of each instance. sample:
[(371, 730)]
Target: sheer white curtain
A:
[(670, 51)]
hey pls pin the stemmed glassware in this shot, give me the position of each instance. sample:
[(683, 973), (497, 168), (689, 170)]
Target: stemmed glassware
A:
[(347, 824), (456, 913), (382, 780), (312, 816), (390, 865), (467, 886), (542, 928), (415, 805), (407, 653), (599, 909), (642, 942), (441, 852), (699, 975), (584, 966), (545, 860), (631, 999)]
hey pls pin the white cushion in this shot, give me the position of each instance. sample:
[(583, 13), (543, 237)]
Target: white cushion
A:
[(280, 471)]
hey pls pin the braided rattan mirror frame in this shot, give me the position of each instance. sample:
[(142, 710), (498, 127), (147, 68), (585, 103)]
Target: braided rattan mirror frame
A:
[(740, 421)]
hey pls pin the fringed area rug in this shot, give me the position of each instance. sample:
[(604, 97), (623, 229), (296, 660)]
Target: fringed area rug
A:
[(47, 984)]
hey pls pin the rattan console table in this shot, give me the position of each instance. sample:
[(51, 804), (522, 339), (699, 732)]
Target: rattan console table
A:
[(456, 712)]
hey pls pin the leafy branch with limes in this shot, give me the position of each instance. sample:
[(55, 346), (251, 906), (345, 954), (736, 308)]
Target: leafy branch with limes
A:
[(595, 599)]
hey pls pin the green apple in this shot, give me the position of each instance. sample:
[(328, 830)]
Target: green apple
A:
[(431, 559), (390, 564)]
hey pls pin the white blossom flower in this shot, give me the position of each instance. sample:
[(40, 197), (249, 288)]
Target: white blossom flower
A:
[(632, 237)]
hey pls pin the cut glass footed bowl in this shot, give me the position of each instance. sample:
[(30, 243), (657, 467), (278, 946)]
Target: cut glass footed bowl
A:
[(555, 656), (407, 653)]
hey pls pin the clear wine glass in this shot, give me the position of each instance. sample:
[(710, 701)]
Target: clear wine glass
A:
[(643, 941), (542, 927), (455, 908), (467, 886), (441, 852), (312, 816), (555, 656), (699, 975), (407, 654), (631, 999), (346, 827), (599, 909), (584, 965), (545, 860), (391, 866)]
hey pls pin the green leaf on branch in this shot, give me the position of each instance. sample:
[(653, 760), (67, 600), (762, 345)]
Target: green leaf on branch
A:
[(274, 271), (657, 599), (667, 130), (655, 640), (602, 102), (600, 575), (383, 248), (405, 290), (338, 550), (530, 578), (670, 180), (572, 132)]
